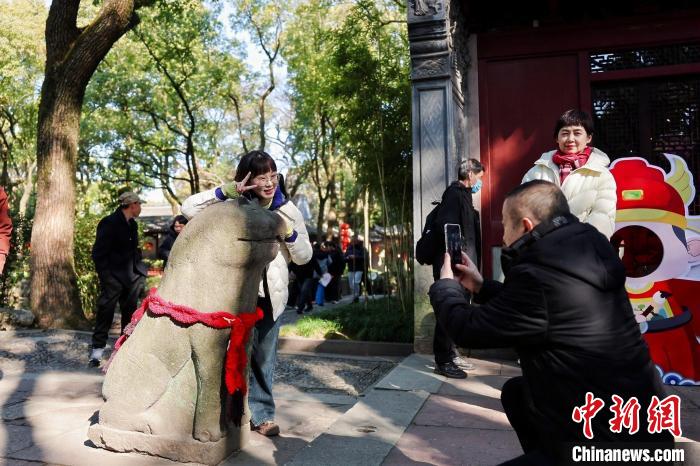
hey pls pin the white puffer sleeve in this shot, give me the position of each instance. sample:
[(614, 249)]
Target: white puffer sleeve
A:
[(197, 202), (298, 244), (602, 214), (542, 170)]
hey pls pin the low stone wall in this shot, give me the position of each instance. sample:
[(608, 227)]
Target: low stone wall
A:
[(12, 319)]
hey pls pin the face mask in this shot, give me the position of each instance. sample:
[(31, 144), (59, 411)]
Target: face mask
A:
[(476, 187)]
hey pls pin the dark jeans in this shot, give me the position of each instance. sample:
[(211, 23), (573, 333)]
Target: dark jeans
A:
[(443, 347), (262, 366), (112, 291), (516, 401), (333, 289), (306, 295)]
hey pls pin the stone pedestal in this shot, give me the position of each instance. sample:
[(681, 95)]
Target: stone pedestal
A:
[(183, 450)]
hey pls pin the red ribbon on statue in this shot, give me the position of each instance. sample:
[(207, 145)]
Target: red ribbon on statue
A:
[(240, 324)]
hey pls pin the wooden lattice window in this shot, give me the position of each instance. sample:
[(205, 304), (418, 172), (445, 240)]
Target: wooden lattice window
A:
[(649, 117), (677, 54)]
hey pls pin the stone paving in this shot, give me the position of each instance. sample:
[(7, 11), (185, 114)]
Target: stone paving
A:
[(49, 397), (333, 410), (462, 421)]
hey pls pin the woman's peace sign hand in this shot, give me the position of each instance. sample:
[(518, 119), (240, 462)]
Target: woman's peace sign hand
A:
[(241, 185)]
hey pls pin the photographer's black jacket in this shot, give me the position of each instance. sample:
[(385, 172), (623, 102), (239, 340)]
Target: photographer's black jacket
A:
[(564, 307)]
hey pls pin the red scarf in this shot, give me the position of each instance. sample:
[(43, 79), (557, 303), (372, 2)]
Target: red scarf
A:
[(568, 162), (236, 357)]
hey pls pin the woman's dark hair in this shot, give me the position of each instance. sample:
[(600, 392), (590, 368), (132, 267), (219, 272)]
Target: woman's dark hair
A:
[(282, 186), (257, 162), (467, 166), (574, 117), (181, 219)]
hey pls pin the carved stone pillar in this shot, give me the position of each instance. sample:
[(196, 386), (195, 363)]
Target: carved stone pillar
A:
[(438, 124)]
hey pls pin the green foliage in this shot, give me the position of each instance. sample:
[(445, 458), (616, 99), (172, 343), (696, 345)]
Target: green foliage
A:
[(350, 93), (88, 283), (313, 327), (375, 320), (374, 92), (152, 282), (22, 51), (159, 113), (156, 114)]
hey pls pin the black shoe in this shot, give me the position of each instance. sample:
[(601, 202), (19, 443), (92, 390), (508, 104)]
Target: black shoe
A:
[(309, 308), (449, 370), (300, 311)]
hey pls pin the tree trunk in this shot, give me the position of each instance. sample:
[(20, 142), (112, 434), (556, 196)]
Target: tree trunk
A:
[(174, 205), (320, 217), (27, 187), (72, 55), (55, 298), (368, 245)]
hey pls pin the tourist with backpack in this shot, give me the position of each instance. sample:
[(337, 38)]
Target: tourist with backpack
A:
[(456, 207)]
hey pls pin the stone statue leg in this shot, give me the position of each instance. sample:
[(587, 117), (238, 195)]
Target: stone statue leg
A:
[(208, 371), (150, 369)]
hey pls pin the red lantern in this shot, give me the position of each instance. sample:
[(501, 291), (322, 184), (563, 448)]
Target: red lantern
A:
[(344, 236)]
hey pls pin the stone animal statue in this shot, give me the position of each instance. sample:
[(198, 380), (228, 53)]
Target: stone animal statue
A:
[(163, 390)]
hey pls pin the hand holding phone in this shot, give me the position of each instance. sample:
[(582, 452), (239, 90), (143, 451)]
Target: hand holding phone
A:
[(453, 243)]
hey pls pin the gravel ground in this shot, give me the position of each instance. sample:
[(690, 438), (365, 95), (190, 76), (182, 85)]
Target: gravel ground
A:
[(56, 350), (329, 375)]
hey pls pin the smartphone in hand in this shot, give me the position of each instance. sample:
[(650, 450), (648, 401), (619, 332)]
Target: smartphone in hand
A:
[(453, 243)]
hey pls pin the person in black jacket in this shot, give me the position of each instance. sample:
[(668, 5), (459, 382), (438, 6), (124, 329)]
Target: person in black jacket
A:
[(176, 227), (457, 207), (307, 275), (564, 307), (121, 271), (336, 269), (356, 259)]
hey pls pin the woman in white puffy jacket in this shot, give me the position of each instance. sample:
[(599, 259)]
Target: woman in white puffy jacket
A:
[(581, 171), (257, 177)]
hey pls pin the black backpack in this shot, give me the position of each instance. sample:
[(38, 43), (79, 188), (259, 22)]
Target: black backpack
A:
[(426, 247)]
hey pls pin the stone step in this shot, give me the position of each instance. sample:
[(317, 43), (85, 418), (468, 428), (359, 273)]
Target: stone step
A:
[(367, 432)]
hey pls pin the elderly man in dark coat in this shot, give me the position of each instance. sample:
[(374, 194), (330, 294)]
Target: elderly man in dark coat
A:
[(457, 207), (564, 307), (121, 271)]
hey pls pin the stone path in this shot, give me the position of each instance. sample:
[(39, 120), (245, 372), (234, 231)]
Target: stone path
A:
[(48, 398), (333, 410)]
